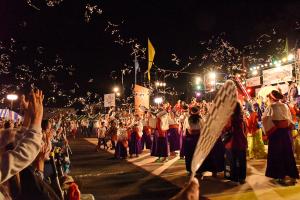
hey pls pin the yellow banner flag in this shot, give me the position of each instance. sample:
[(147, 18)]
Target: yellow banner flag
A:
[(151, 53)]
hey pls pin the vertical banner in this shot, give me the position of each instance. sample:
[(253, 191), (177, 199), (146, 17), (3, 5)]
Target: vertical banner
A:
[(109, 100), (141, 98), (151, 54)]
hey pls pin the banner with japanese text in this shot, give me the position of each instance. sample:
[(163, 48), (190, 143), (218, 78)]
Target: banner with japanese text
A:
[(253, 81), (141, 98), (278, 74), (109, 100)]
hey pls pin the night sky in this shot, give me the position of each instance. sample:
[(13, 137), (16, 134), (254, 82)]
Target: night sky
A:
[(173, 27)]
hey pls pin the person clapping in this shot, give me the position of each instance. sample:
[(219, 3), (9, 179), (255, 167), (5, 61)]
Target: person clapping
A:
[(28, 141)]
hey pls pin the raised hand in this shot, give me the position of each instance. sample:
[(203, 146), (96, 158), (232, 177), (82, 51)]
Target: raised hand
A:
[(24, 103), (189, 192), (35, 107)]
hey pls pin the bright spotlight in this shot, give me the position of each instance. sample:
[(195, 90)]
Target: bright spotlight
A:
[(198, 80), (118, 94), (212, 75), (254, 72), (198, 94), (158, 100), (116, 89), (12, 97), (290, 57), (284, 59)]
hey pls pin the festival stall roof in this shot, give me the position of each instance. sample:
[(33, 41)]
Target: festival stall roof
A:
[(10, 115)]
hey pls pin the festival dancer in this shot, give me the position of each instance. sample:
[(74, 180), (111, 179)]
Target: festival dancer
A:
[(192, 131), (236, 146), (146, 138), (178, 106), (184, 115), (173, 134), (295, 133), (162, 126), (256, 148), (112, 133), (101, 134), (277, 121), (122, 143), (73, 128), (135, 137)]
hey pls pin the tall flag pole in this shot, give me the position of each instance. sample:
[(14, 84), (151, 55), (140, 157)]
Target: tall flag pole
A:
[(136, 68), (286, 47), (151, 54)]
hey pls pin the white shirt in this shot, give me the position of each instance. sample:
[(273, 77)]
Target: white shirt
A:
[(101, 132)]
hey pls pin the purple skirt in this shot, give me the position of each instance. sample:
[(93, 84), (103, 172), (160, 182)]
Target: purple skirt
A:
[(159, 146), (134, 144), (174, 139), (281, 161), (154, 144), (120, 151), (162, 147), (146, 141), (189, 148)]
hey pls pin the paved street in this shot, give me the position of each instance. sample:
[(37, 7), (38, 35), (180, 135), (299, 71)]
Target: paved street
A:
[(142, 178)]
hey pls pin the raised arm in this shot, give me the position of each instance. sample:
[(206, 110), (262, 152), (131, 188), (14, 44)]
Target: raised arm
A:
[(26, 150)]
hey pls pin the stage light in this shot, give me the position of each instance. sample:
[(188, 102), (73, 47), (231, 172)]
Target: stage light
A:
[(249, 90), (198, 94), (284, 59), (198, 87), (158, 100), (212, 75), (198, 80), (290, 57), (116, 89), (12, 97), (255, 72)]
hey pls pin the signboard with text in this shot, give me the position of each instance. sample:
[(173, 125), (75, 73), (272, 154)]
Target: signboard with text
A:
[(109, 100), (278, 74), (141, 98), (254, 81)]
